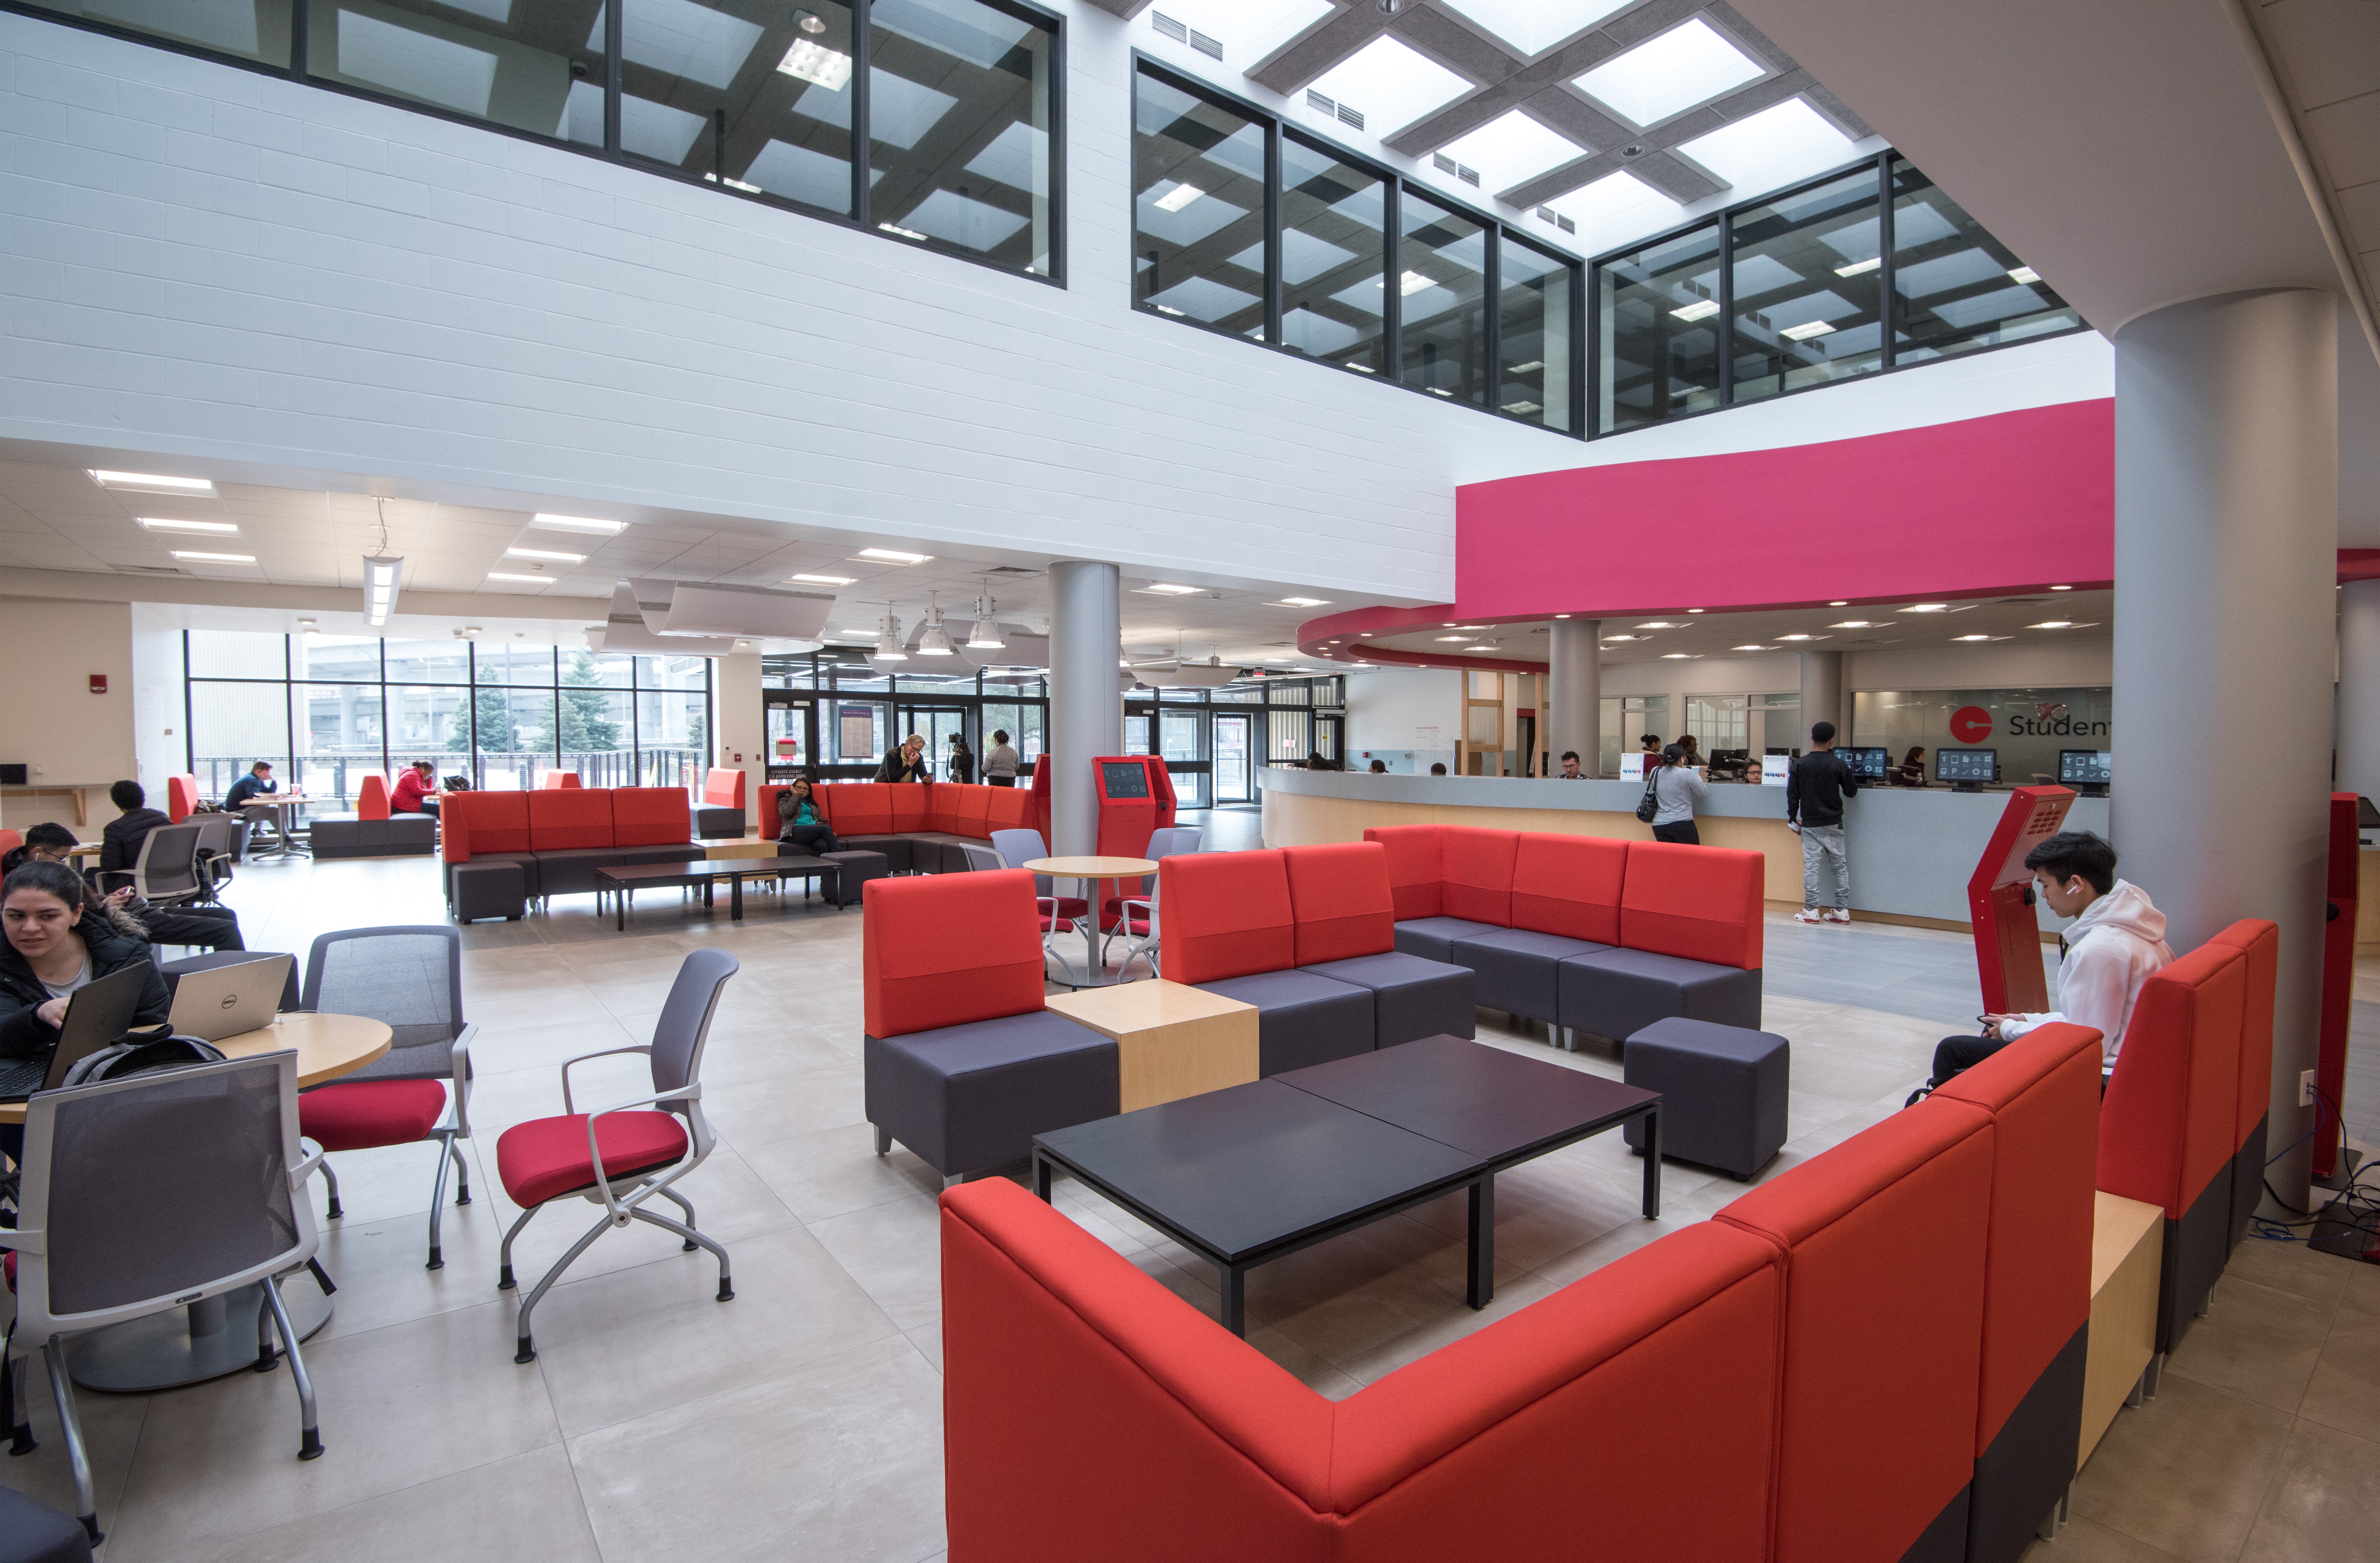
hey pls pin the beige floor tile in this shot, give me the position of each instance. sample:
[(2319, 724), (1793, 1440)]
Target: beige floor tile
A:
[(2325, 1503), (2294, 1269), (379, 1266), (387, 1181), (2344, 1393), (894, 1252), (501, 1047), (835, 1172), (2185, 1471), (762, 1112), (2079, 1541), (928, 1340), (843, 1453), (2255, 1342), (111, 1431)]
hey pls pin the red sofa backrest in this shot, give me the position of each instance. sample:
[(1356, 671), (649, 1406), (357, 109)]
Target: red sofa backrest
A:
[(856, 809), (2166, 1125), (1227, 913), (569, 817), (181, 797), (1415, 867), (1883, 1241), (1007, 808), (371, 798), (1206, 1444), (2261, 942), (470, 822), (2042, 1092), (912, 803), (1476, 873), (970, 806), (722, 787), (1569, 885), (555, 781), (650, 816), (1696, 901), (946, 948), (1340, 900)]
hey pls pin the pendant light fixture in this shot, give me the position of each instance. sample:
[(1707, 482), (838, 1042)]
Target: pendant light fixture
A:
[(935, 640), (381, 573), (986, 635), (888, 640)]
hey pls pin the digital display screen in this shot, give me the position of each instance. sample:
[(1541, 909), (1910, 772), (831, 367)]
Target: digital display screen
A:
[(1124, 779), (1966, 765), (1869, 765), (2083, 768)]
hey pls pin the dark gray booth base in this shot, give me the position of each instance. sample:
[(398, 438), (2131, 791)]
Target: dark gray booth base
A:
[(2247, 1179), (2196, 1249), (2025, 1470), (400, 835), (966, 1098), (1574, 986), (1944, 1541)]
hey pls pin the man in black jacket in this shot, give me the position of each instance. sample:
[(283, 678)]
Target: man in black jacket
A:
[(1815, 791), (119, 841)]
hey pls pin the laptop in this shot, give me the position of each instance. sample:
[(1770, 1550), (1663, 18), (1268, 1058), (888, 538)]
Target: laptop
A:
[(97, 1016), (226, 1001)]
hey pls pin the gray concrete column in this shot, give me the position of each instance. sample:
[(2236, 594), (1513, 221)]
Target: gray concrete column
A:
[(2359, 688), (1573, 706), (1822, 697), (1086, 711), (2227, 532)]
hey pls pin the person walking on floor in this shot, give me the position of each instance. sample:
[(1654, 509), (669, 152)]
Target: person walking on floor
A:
[(1000, 765), (1814, 792), (1678, 788)]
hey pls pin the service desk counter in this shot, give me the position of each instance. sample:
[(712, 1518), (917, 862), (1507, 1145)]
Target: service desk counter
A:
[(1911, 849)]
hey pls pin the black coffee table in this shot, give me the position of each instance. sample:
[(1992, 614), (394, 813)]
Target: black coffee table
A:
[(1245, 1175), (626, 879)]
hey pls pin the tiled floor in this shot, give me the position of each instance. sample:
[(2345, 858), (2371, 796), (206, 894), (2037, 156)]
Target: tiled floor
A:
[(803, 1418)]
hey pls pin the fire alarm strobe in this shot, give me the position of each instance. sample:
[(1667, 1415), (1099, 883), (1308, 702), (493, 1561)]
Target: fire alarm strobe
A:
[(99, 684)]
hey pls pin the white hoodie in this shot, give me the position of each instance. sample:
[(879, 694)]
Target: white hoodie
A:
[(2110, 950)]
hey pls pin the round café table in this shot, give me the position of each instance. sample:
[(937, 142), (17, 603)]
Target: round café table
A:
[(1091, 870), (218, 1336)]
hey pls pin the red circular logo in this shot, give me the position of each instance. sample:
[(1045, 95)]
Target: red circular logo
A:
[(1970, 724)]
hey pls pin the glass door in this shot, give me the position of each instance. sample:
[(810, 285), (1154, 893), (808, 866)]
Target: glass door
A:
[(1137, 720), (1178, 736), (1234, 769), (1328, 731), (938, 726), (792, 735)]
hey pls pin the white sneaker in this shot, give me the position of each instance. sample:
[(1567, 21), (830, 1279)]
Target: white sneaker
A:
[(1808, 915), (1837, 915)]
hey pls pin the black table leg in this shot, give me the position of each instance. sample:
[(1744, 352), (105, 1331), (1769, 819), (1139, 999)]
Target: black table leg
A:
[(1041, 1177), (1653, 1164), (621, 912), (1235, 1301), (1482, 1290), (735, 898)]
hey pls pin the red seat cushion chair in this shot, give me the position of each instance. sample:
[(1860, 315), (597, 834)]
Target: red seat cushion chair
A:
[(371, 1112), (546, 1158), (1344, 928), (181, 797)]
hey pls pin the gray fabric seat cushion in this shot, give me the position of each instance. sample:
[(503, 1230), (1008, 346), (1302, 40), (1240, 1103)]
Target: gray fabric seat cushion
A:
[(1618, 993), (571, 871), (1301, 1018), (34, 1533), (1412, 997), (1723, 1092), (969, 1097), (527, 861), (491, 888), (1517, 968), (411, 833), (719, 824), (1433, 939)]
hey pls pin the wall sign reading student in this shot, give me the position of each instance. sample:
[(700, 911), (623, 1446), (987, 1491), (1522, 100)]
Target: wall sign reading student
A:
[(2026, 726)]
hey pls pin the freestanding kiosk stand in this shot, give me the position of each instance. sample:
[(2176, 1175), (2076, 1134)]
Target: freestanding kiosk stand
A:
[(2338, 971), (1999, 899), (1129, 803)]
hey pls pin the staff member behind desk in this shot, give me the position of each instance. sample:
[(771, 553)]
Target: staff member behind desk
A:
[(1000, 765), (1815, 791), (208, 927), (800, 824), (905, 763), (1570, 772), (1913, 767), (1677, 788), (2116, 944)]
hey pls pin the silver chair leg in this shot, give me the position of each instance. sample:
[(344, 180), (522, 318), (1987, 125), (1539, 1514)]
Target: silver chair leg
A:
[(505, 1256), (12, 1394), (309, 1440), (526, 1349), (54, 1356), (330, 1182), (267, 1357), (693, 1239), (679, 1200), (453, 1154)]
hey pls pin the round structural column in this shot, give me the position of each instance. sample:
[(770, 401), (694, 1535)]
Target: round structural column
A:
[(2359, 688), (2226, 533), (1822, 697), (1574, 718), (1086, 704)]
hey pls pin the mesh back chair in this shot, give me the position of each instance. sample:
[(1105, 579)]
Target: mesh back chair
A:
[(216, 847), (1133, 918), (641, 1147), (1058, 913), (166, 872), (410, 979), (981, 858), (149, 1193)]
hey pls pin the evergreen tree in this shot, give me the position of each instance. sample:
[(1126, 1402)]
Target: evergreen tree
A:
[(587, 724)]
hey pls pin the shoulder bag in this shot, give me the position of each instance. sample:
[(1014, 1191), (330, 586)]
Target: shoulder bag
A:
[(1650, 804)]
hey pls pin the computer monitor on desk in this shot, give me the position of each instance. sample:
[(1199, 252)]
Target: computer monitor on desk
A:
[(2086, 770), (1869, 765), (1966, 769)]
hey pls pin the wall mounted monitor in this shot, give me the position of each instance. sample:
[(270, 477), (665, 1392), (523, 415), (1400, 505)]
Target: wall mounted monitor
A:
[(2083, 768), (1966, 768), (1869, 765)]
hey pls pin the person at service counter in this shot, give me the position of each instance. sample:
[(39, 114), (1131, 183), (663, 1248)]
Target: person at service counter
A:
[(906, 763), (1000, 764), (1815, 791), (1678, 786), (1570, 772), (1913, 767), (2116, 943)]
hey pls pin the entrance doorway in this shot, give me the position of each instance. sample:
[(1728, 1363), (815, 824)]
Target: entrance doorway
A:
[(1234, 757), (792, 736), (938, 726)]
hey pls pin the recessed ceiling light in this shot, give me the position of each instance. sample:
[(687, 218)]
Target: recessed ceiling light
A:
[(1561, 616), (1660, 624), (1927, 608), (822, 580), (1840, 603), (1855, 624), (587, 523), (1669, 73), (894, 556), (217, 529), (533, 580), (1971, 637), (813, 60), (1303, 602), (1677, 656), (1803, 332), (545, 554), (1178, 197), (2047, 623), (1623, 638), (1167, 589), (2023, 274), (1700, 309), (215, 558), (1797, 637), (1697, 610), (307, 622), (1859, 268), (2061, 589), (153, 483), (1747, 649)]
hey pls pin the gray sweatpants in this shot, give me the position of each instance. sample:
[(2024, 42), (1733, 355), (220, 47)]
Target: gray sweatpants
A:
[(1826, 869)]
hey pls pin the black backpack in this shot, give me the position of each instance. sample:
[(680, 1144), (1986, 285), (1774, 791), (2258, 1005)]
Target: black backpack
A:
[(137, 1055)]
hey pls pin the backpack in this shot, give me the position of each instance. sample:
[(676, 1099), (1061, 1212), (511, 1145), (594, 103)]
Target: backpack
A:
[(140, 1055)]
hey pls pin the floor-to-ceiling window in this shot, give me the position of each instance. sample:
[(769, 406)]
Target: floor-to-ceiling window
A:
[(327, 710)]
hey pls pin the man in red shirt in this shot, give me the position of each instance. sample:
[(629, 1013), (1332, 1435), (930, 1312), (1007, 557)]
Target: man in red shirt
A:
[(412, 788)]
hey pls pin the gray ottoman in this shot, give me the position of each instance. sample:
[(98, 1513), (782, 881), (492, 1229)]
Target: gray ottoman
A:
[(489, 890), (1722, 1092), (858, 867), (718, 824)]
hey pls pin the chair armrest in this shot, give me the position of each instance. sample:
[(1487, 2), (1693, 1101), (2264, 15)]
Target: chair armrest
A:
[(24, 1240), (595, 1156), (644, 1048), (462, 1057)]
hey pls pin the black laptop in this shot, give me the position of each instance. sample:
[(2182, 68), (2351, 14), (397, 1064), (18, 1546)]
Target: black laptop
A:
[(97, 1016)]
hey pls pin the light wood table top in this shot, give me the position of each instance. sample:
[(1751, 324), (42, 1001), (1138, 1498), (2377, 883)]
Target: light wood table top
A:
[(85, 848), (1093, 868), (328, 1047), (1130, 1007), (1171, 1040)]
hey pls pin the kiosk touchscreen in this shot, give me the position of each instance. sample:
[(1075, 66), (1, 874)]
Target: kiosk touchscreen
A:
[(1869, 765), (2085, 769), (1966, 769)]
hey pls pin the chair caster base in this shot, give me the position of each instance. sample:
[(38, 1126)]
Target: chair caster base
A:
[(527, 1353), (687, 1247), (437, 1260), (726, 1292), (91, 1528), (335, 1212), (20, 1439), (463, 1198), (505, 1278), (312, 1447), (267, 1359)]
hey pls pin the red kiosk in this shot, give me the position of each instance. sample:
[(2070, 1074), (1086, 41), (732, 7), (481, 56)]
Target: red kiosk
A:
[(1135, 795), (2338, 971), (1999, 900)]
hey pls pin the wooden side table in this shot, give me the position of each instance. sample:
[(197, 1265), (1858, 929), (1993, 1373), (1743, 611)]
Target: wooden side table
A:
[(2127, 1250), (1171, 1040)]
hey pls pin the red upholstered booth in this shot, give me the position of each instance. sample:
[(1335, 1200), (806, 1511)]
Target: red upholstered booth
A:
[(2260, 941), (1415, 867), (181, 797), (909, 821), (943, 953), (561, 836), (371, 800), (1227, 914), (557, 780), (1701, 904), (1475, 873), (570, 817), (1571, 886), (1341, 903), (722, 787)]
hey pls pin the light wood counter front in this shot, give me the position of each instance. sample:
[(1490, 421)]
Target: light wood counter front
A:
[(2127, 1249), (1171, 1040)]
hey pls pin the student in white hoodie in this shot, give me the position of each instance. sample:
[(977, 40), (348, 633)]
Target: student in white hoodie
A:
[(2118, 939)]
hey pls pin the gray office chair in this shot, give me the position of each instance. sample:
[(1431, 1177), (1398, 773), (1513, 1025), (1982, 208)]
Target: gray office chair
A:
[(981, 858), (1067, 913), (1133, 918), (166, 872), (150, 1193), (621, 1156), (410, 979), (217, 848)]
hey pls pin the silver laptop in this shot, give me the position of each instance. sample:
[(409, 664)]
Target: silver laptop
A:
[(97, 1016), (226, 1001)]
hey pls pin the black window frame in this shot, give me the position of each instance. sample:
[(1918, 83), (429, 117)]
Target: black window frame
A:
[(1052, 22)]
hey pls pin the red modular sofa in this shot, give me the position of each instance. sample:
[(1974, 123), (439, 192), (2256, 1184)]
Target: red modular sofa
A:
[(1582, 933), (560, 836), (720, 816), (1825, 1372), (920, 827)]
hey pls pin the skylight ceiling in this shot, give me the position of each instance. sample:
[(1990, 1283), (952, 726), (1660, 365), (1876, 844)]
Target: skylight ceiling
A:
[(1512, 149), (1534, 26), (1666, 76), (1615, 209), (1774, 147), (1391, 84)]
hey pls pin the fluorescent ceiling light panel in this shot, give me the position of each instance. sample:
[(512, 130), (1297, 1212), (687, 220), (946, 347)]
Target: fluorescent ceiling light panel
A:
[(2023, 274), (1859, 268), (1534, 26), (1747, 649), (1304, 602), (1772, 148), (1971, 637), (1167, 589), (1513, 150), (1671, 74), (813, 60), (1797, 637), (1178, 197), (250, 559), (1803, 332), (2048, 623), (531, 580), (822, 580), (153, 483), (1855, 624), (545, 554), (218, 528), (1677, 656), (586, 524), (1391, 83), (1615, 209), (894, 556), (379, 587), (1927, 608)]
